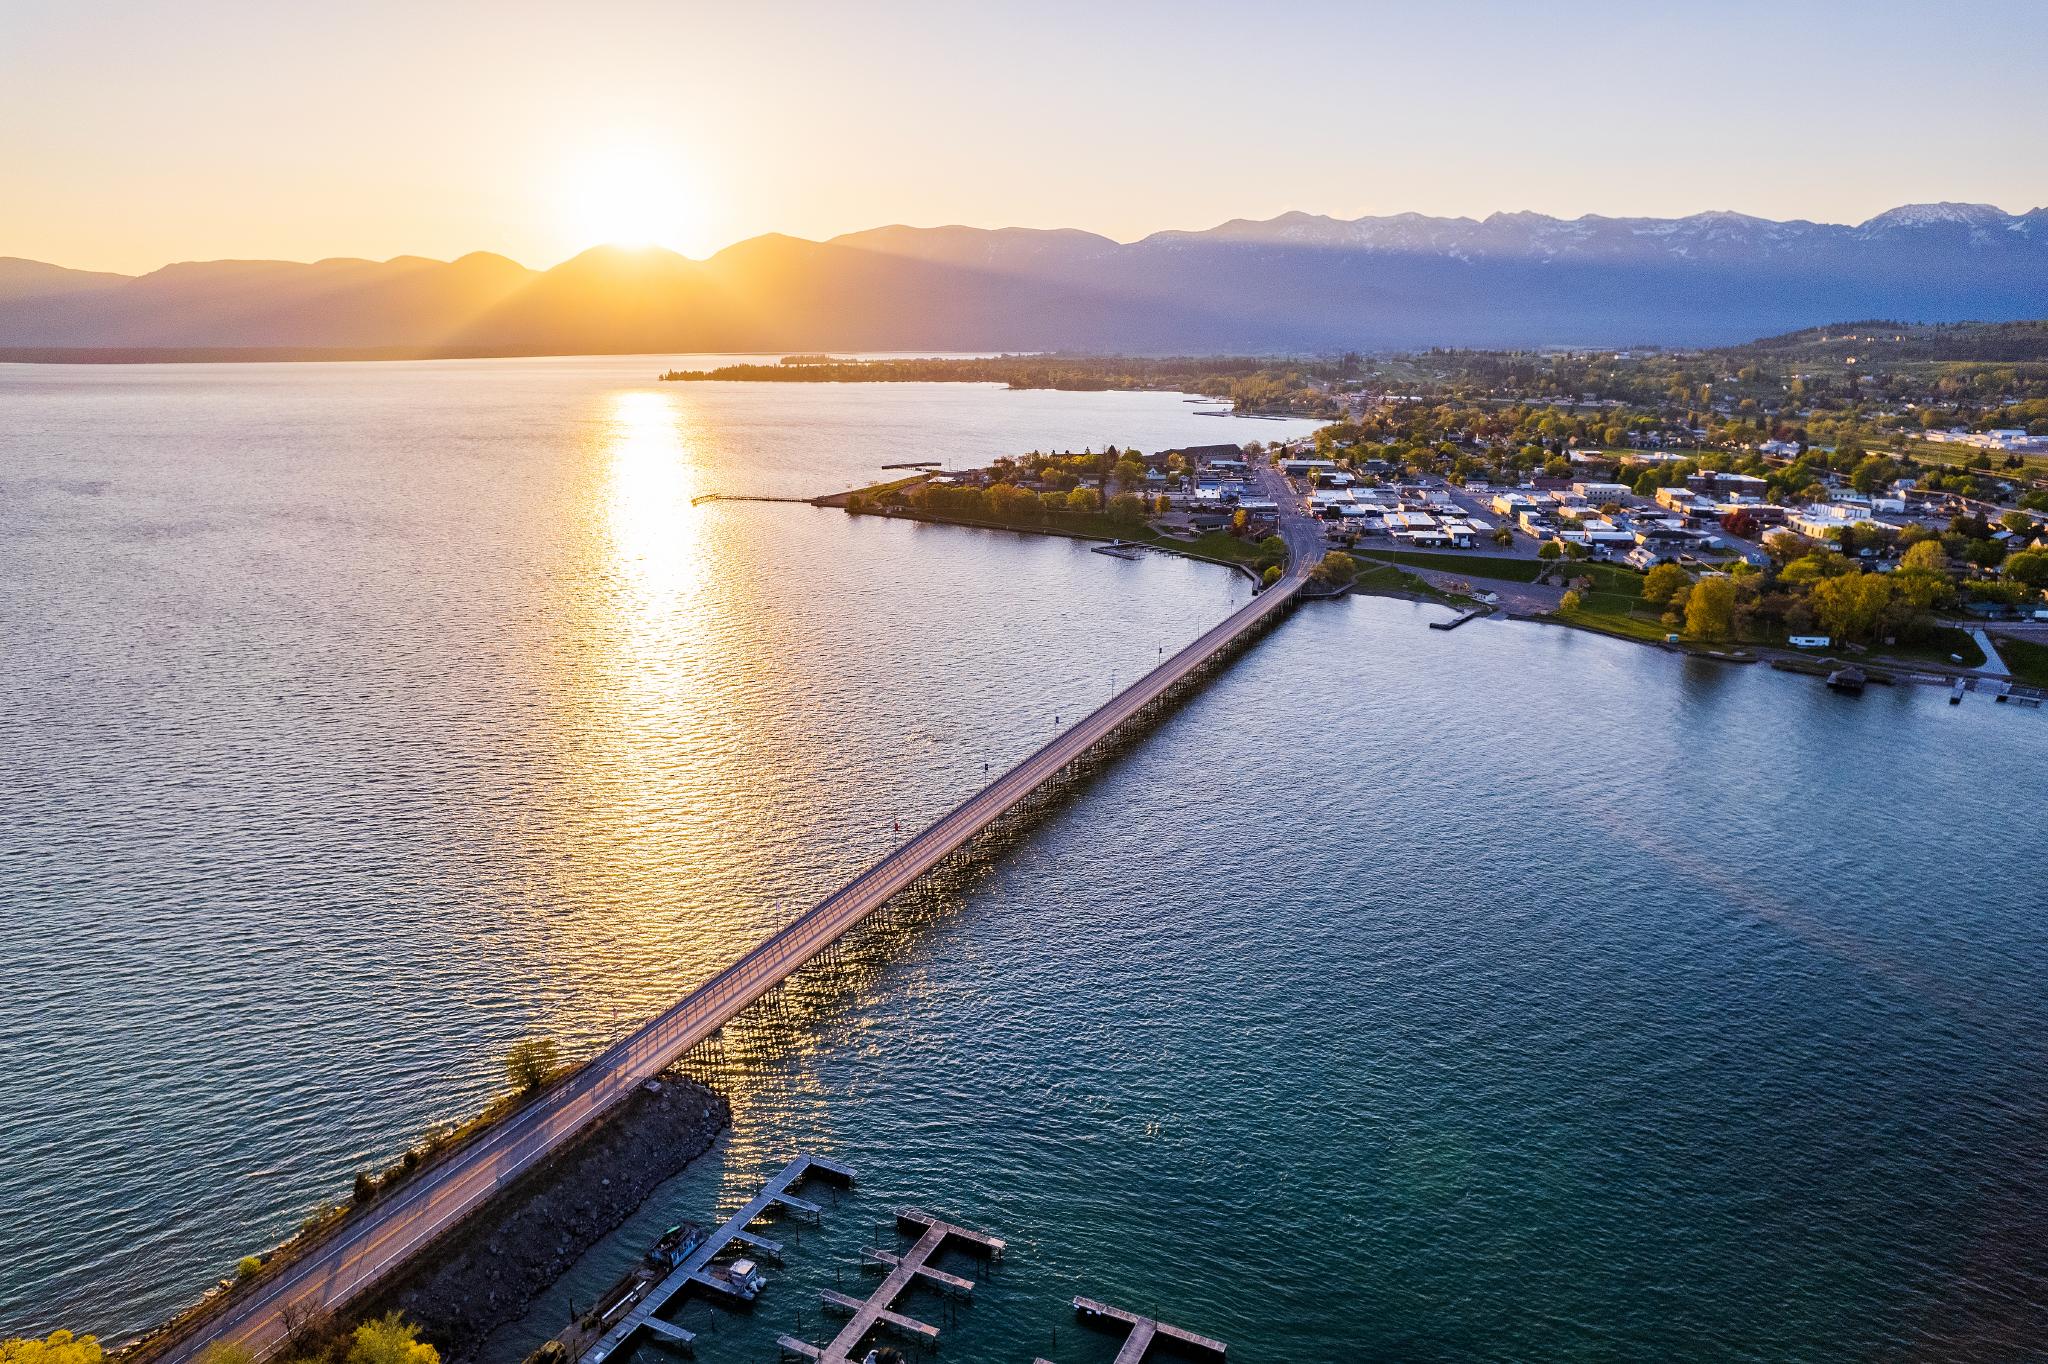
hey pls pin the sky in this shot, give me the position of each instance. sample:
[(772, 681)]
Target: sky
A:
[(135, 133)]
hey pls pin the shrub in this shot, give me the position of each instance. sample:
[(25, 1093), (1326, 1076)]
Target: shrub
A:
[(531, 1061), (1571, 602), (390, 1339), (60, 1348)]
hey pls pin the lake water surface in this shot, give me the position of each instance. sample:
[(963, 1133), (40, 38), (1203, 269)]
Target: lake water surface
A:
[(1507, 993)]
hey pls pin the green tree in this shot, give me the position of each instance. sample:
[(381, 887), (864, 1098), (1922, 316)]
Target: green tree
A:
[(2029, 566), (1853, 605), (61, 1347), (1710, 609), (1926, 556), (1985, 553), (1127, 509), (530, 1061), (1336, 567), (1549, 552), (1663, 582), (1271, 575), (1081, 500), (390, 1339), (1008, 502)]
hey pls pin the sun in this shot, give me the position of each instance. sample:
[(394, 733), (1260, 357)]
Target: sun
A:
[(627, 196)]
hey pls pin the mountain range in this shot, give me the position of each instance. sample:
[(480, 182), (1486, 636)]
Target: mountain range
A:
[(1298, 282)]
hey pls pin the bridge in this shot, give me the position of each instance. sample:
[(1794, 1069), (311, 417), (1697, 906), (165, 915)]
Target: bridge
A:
[(379, 1238)]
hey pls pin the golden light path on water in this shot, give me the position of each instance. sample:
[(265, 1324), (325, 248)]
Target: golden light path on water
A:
[(669, 647), (380, 716)]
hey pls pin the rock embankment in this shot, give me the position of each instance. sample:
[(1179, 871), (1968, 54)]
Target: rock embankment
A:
[(502, 1258)]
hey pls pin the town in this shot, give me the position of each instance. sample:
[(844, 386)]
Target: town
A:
[(1787, 552)]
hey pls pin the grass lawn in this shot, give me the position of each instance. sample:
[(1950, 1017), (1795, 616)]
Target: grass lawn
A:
[(1215, 544), (1937, 647), (1614, 603), (1608, 579), (1387, 578), (1616, 615), (2028, 660), (1471, 565)]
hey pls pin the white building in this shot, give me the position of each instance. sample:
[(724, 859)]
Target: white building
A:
[(1820, 519)]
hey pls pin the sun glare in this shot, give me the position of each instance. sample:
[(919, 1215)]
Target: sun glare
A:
[(628, 196)]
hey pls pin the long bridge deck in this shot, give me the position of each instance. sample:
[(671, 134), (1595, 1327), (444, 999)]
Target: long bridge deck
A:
[(389, 1231)]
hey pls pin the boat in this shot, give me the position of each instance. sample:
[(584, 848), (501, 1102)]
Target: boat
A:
[(675, 1245), (1850, 679), (742, 1278), (586, 1328)]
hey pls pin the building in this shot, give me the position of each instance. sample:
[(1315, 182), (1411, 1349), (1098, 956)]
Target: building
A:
[(1716, 484), (1820, 520), (1599, 494), (1206, 456)]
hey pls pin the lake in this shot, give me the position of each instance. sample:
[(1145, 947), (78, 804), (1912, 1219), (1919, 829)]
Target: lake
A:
[(1505, 993)]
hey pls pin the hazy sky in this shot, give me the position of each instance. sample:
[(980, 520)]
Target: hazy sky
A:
[(132, 134)]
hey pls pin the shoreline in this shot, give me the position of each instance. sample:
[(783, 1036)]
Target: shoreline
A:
[(1884, 670), (1142, 535), (492, 1265), (604, 1167)]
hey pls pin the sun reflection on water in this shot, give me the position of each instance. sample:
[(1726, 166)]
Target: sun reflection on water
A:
[(655, 550)]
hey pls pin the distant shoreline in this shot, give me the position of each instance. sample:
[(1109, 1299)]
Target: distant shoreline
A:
[(271, 355)]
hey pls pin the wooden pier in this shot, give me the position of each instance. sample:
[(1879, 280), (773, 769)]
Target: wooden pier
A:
[(1142, 1334), (1471, 615), (691, 1271), (877, 1311)]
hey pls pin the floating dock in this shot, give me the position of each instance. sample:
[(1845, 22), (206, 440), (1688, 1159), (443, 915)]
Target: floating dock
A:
[(1121, 549), (1143, 1334), (1473, 614), (877, 1311), (693, 1270)]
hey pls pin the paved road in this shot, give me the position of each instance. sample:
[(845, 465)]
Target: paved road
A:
[(1302, 532), (397, 1226)]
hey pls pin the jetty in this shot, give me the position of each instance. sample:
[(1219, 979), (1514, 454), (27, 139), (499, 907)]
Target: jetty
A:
[(694, 1270), (877, 1311), (1143, 1335), (1474, 614)]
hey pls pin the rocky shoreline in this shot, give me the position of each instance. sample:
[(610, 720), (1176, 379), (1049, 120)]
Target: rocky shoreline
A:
[(510, 1251)]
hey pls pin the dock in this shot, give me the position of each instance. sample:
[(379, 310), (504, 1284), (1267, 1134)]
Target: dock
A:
[(692, 1270), (1121, 549), (877, 1310), (1474, 614), (1142, 1334)]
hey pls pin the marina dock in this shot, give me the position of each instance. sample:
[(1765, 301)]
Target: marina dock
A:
[(1471, 615), (692, 1271), (934, 1235), (1143, 1334)]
